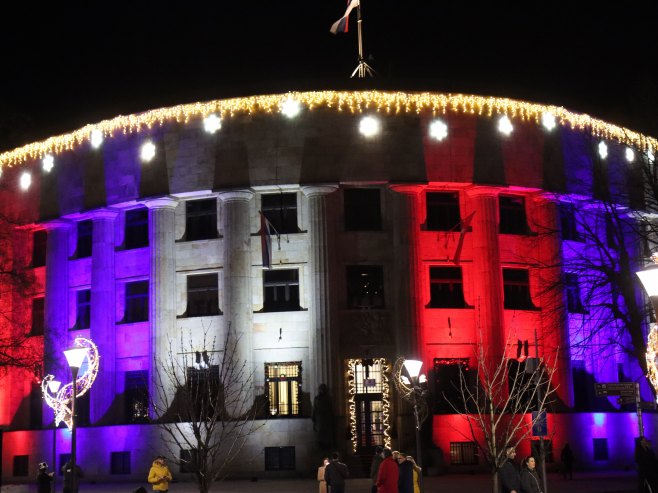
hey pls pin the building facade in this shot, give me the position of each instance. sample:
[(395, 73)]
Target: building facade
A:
[(332, 233)]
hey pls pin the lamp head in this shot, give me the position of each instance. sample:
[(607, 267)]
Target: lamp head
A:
[(75, 356), (53, 386), (413, 367)]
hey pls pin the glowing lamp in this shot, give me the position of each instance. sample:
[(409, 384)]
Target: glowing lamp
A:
[(47, 162), (505, 126), (53, 386), (25, 180), (603, 150), (413, 367), (147, 151), (438, 130), (291, 108), (96, 138), (548, 120), (75, 356), (369, 126), (212, 123), (630, 155)]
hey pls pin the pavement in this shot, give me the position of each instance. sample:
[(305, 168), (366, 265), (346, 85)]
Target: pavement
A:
[(586, 482)]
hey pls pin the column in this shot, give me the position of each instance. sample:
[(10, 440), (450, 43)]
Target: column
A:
[(238, 299), (103, 313), (162, 294), (322, 347), (406, 226)]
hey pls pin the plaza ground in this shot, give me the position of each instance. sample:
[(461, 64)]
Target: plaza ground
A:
[(586, 482)]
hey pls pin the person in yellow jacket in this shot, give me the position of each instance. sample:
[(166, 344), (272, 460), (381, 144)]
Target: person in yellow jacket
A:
[(160, 475)]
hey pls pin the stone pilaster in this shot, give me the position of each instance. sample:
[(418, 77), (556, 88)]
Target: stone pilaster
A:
[(321, 345)]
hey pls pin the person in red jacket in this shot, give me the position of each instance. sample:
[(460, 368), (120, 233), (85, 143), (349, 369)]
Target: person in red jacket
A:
[(387, 477)]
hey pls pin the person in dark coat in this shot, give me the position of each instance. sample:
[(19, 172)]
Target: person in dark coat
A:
[(323, 418), (647, 465), (531, 482), (566, 457), (374, 467), (67, 470), (509, 473), (44, 478), (406, 474), (335, 474), (388, 475)]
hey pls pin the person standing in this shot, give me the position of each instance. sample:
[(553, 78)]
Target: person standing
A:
[(647, 466), (418, 474), (405, 474), (530, 480), (321, 481), (44, 478), (509, 473), (160, 475), (566, 457), (374, 467), (335, 474), (388, 475), (67, 470)]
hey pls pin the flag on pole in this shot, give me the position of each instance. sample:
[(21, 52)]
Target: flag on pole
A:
[(266, 240), (342, 24)]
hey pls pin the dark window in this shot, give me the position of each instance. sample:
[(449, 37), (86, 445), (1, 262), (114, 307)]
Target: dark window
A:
[(188, 460), (280, 209), (283, 387), (83, 247), (362, 209), (548, 450), (281, 290), (516, 287), (136, 396), (119, 462), (568, 223), (449, 374), (442, 211), (63, 459), (82, 406), (36, 407), (136, 228), (83, 309), (583, 387), (39, 247), (38, 317), (519, 385), (279, 458), (365, 286), (201, 219), (202, 295), (21, 465), (203, 389), (574, 302), (512, 215), (137, 302), (446, 288), (463, 453), (600, 448)]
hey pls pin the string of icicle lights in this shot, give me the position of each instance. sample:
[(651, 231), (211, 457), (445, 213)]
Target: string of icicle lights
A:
[(393, 103)]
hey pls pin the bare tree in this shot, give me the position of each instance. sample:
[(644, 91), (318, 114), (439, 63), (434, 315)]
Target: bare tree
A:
[(205, 405)]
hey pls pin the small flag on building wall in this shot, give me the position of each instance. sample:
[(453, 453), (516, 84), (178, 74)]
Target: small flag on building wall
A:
[(266, 229), (342, 24)]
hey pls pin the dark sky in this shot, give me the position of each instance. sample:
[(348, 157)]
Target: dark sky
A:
[(66, 64)]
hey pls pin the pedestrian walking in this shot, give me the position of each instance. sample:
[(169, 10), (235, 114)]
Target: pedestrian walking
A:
[(335, 474), (159, 474), (321, 481), (44, 478), (566, 457), (67, 470), (509, 473), (530, 480), (388, 475), (374, 467)]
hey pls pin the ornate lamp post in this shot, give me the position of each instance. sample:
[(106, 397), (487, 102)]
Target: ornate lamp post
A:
[(53, 387), (649, 278), (75, 357), (413, 389)]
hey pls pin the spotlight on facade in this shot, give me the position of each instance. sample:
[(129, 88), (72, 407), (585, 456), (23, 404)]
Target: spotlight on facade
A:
[(505, 126), (96, 138), (369, 126), (25, 180), (603, 150), (47, 163), (630, 155), (548, 121), (212, 123), (291, 108), (147, 151), (438, 130)]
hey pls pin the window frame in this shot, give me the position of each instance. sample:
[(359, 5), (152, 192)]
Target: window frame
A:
[(442, 214), (196, 228), (282, 216), (84, 239), (38, 314), (82, 310), (354, 293), (454, 285), (132, 306), (362, 209), (39, 248), (203, 300), (283, 410), (289, 288), (516, 292), (136, 228), (512, 216)]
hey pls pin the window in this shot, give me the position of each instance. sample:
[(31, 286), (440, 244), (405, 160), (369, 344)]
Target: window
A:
[(448, 377), (119, 462), (202, 295), (188, 460), (362, 209), (38, 317), (21, 465), (442, 211), (463, 453), (36, 405), (574, 302), (446, 288), (512, 215), (610, 231), (83, 309), (39, 247), (203, 389), (568, 223), (283, 388), (83, 247), (136, 233), (365, 286), (516, 287), (600, 448), (201, 219), (281, 290), (519, 386), (279, 458), (548, 450), (136, 396), (137, 302), (280, 209)]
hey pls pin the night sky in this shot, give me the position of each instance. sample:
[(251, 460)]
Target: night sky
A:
[(67, 65)]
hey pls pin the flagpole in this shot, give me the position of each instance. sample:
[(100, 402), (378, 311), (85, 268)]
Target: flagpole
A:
[(362, 69)]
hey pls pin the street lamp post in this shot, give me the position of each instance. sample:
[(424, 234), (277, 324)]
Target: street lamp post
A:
[(75, 357), (415, 381), (53, 387)]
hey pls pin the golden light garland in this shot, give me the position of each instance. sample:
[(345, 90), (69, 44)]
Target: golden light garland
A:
[(353, 101), (61, 402), (652, 357)]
